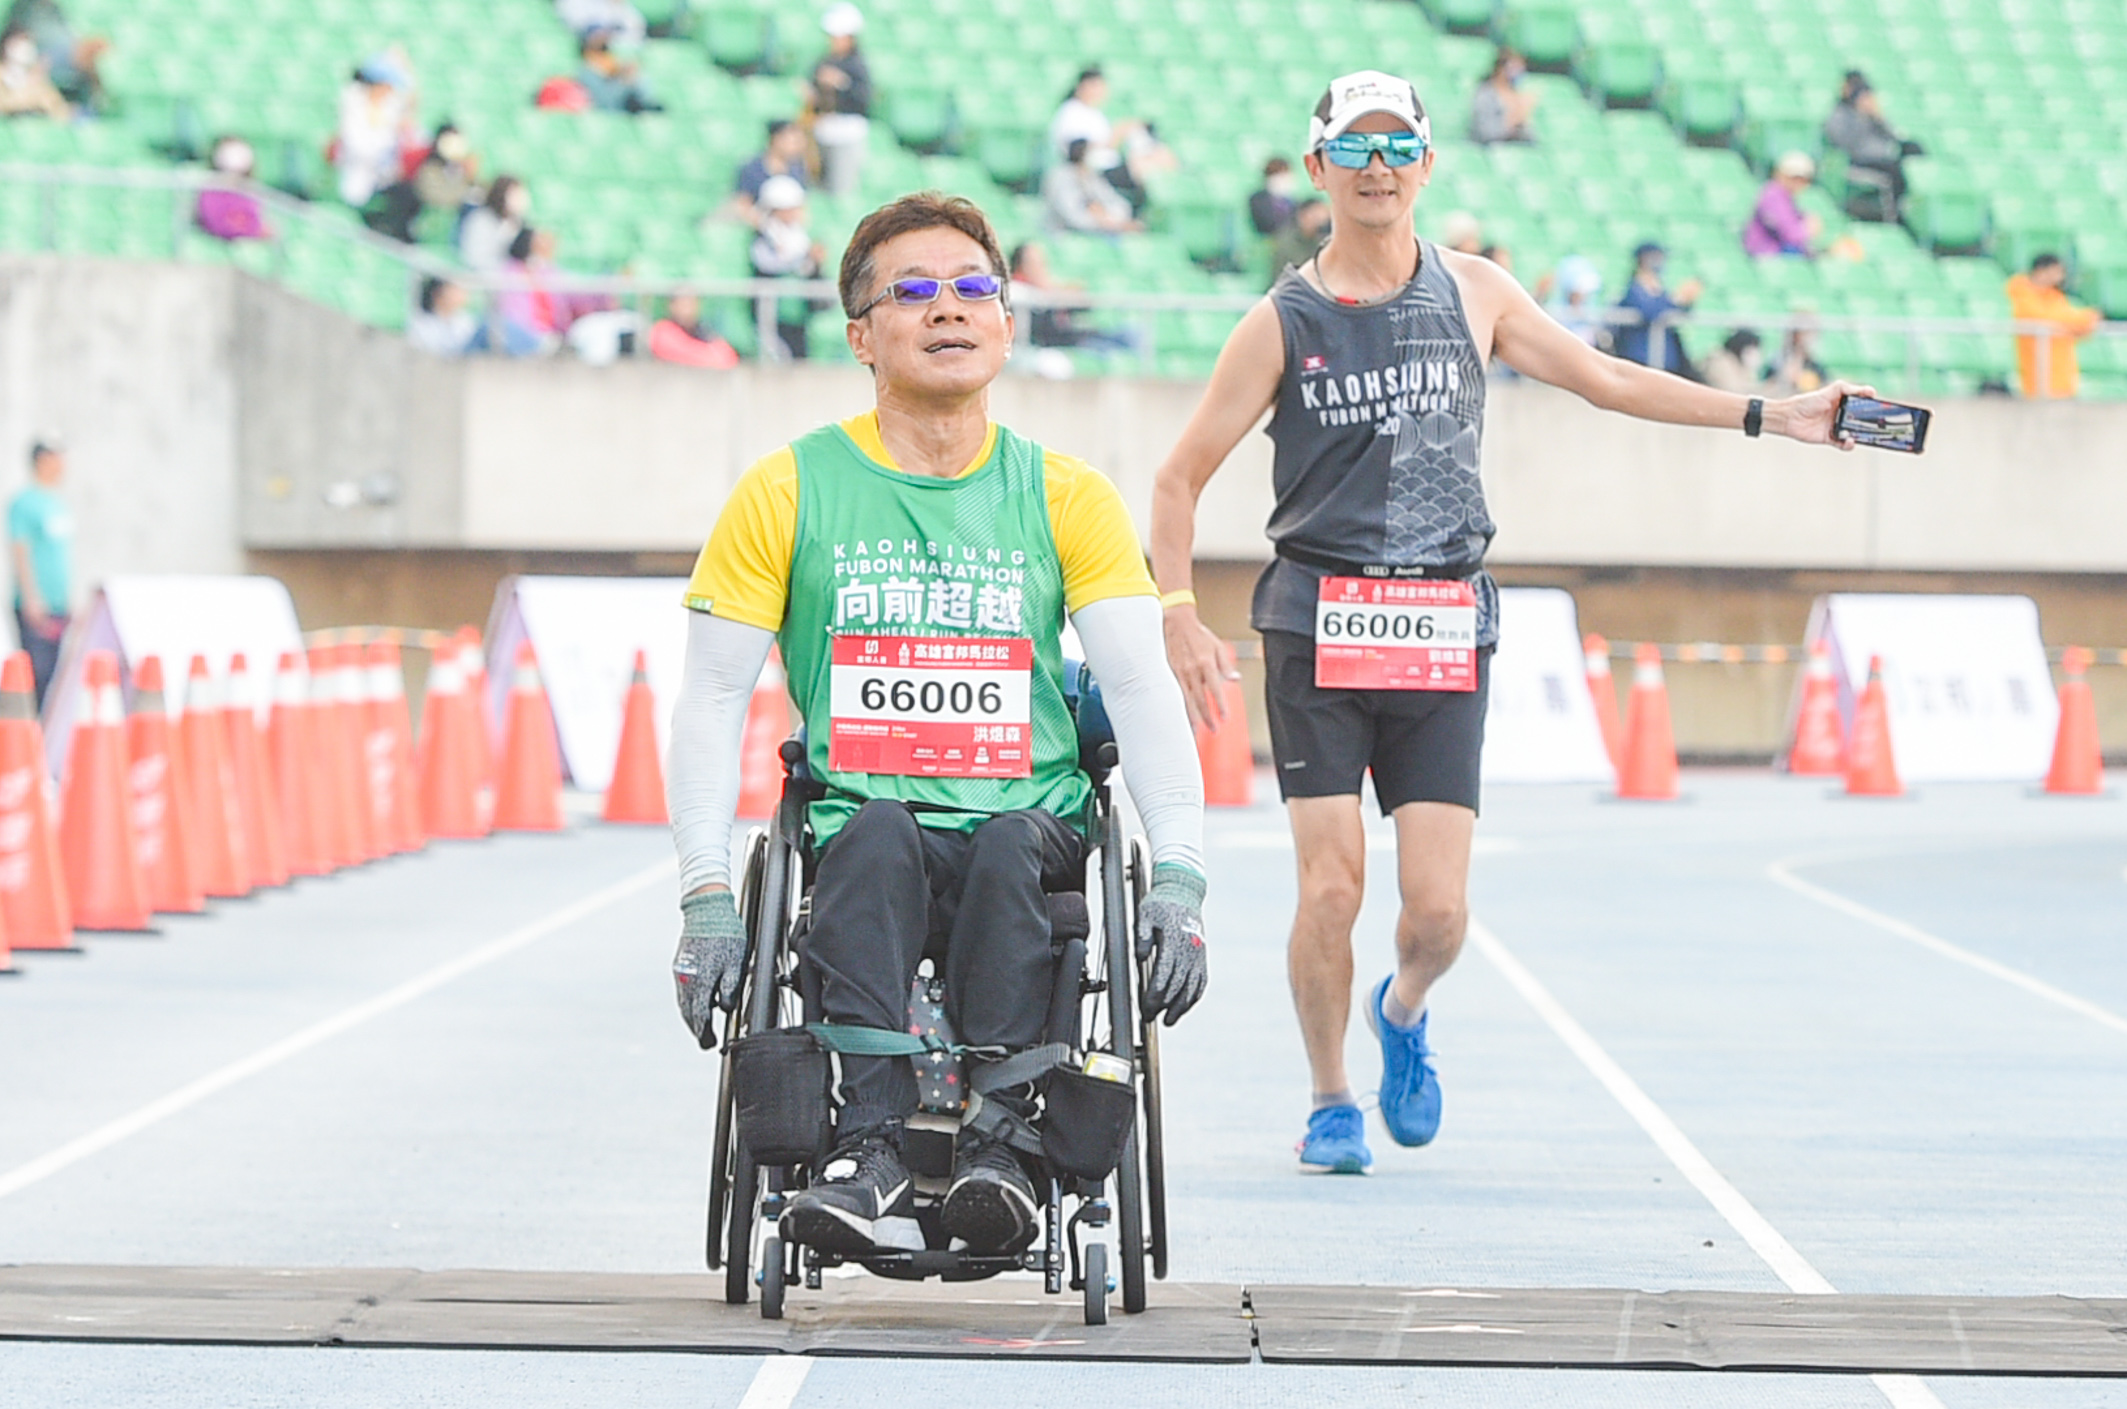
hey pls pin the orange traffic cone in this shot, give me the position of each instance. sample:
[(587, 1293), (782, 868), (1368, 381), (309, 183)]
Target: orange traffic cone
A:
[(1649, 772), (258, 799), (96, 844), (351, 710), (328, 733), (292, 759), (159, 831), (528, 794), (473, 661), (637, 792), (450, 780), (224, 851), (1224, 753), (1871, 770), (391, 741), (1819, 747), (2078, 765), (1603, 690), (33, 892), (767, 725)]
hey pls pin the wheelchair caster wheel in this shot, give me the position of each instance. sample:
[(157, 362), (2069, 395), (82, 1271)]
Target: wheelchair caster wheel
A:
[(772, 1279), (1096, 1284)]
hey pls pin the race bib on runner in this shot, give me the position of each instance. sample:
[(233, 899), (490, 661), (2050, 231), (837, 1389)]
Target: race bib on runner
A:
[(1395, 634), (932, 706)]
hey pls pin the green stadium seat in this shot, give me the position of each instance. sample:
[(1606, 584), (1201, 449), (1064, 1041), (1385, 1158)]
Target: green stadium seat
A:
[(1544, 34), (2016, 245), (1463, 16), (739, 37), (1706, 109), (1949, 218), (1011, 154), (1619, 73), (921, 116), (2105, 287)]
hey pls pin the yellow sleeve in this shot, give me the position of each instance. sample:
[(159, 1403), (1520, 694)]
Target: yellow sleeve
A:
[(1093, 533), (743, 573)]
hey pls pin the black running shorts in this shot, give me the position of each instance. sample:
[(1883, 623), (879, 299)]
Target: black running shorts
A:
[(1421, 745)]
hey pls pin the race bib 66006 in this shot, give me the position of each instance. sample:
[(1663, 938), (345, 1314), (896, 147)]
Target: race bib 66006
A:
[(932, 706), (1395, 634)]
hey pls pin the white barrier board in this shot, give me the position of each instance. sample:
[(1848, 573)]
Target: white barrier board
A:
[(1966, 678), (174, 618), (586, 631), (1540, 724)]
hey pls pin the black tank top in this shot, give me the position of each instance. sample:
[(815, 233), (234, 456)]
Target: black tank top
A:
[(1377, 429)]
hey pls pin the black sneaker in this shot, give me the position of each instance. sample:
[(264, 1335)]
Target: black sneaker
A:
[(991, 1205), (863, 1203)]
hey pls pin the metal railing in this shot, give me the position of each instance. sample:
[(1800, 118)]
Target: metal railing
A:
[(637, 294)]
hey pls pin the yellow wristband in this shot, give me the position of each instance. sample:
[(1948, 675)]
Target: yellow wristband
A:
[(1182, 598)]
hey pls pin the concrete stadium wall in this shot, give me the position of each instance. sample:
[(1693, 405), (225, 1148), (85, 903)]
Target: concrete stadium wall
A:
[(218, 421)]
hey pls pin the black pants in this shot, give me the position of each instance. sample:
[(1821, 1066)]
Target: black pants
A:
[(889, 892), (44, 650)]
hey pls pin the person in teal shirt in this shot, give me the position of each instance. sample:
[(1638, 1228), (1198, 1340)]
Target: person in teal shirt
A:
[(40, 536)]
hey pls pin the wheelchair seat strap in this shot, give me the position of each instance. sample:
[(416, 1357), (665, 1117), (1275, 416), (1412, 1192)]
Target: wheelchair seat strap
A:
[(1019, 1068), (853, 1041)]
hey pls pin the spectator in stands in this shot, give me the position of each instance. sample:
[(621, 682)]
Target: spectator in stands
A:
[(26, 87), (375, 129), (1302, 235), (680, 337), (1048, 325), (71, 61), (230, 212), (1461, 233), (783, 156), (615, 85), (1078, 197), (1875, 155), (618, 20), (1121, 150), (1271, 206), (489, 229), (443, 179), (1500, 111), (1576, 300), (1646, 295), (535, 314), (443, 325), (1778, 224), (841, 101), (785, 249), (1798, 369), (1737, 365), (2037, 297), (40, 539)]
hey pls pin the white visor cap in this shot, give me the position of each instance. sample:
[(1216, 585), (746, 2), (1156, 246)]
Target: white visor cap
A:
[(1353, 96)]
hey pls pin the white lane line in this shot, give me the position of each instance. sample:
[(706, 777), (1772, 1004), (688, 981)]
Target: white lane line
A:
[(190, 1094), (1790, 1266), (776, 1384), (1783, 873)]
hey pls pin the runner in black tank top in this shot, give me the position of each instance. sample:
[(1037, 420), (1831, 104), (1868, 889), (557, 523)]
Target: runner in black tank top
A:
[(1377, 616)]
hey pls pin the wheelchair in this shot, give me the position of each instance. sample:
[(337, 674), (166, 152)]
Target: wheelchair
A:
[(1095, 1007)]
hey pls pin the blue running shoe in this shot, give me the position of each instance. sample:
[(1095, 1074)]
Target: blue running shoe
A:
[(1410, 1090), (1335, 1142)]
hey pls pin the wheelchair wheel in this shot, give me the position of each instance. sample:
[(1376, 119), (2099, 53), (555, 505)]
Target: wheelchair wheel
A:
[(1117, 913), (772, 1261), (765, 899), (1155, 1120), (720, 1152), (1096, 1284)]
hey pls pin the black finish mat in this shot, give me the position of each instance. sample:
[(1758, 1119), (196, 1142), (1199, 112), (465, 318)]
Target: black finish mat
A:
[(608, 1311), (2053, 1335)]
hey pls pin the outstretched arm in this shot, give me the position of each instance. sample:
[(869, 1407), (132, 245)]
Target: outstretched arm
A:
[(1122, 640), (724, 659), (1536, 345), (1243, 386)]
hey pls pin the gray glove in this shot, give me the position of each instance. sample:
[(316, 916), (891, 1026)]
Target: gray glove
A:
[(711, 961), (1170, 932)]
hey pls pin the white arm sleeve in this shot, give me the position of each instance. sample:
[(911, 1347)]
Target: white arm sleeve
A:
[(724, 659), (1126, 646)]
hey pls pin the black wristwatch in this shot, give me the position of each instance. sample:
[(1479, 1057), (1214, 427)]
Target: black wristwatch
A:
[(1754, 417)]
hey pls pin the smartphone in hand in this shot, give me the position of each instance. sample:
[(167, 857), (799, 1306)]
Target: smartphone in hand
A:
[(1883, 425)]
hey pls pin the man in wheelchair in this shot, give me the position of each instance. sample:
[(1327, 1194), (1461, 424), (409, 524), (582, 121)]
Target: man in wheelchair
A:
[(916, 565)]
